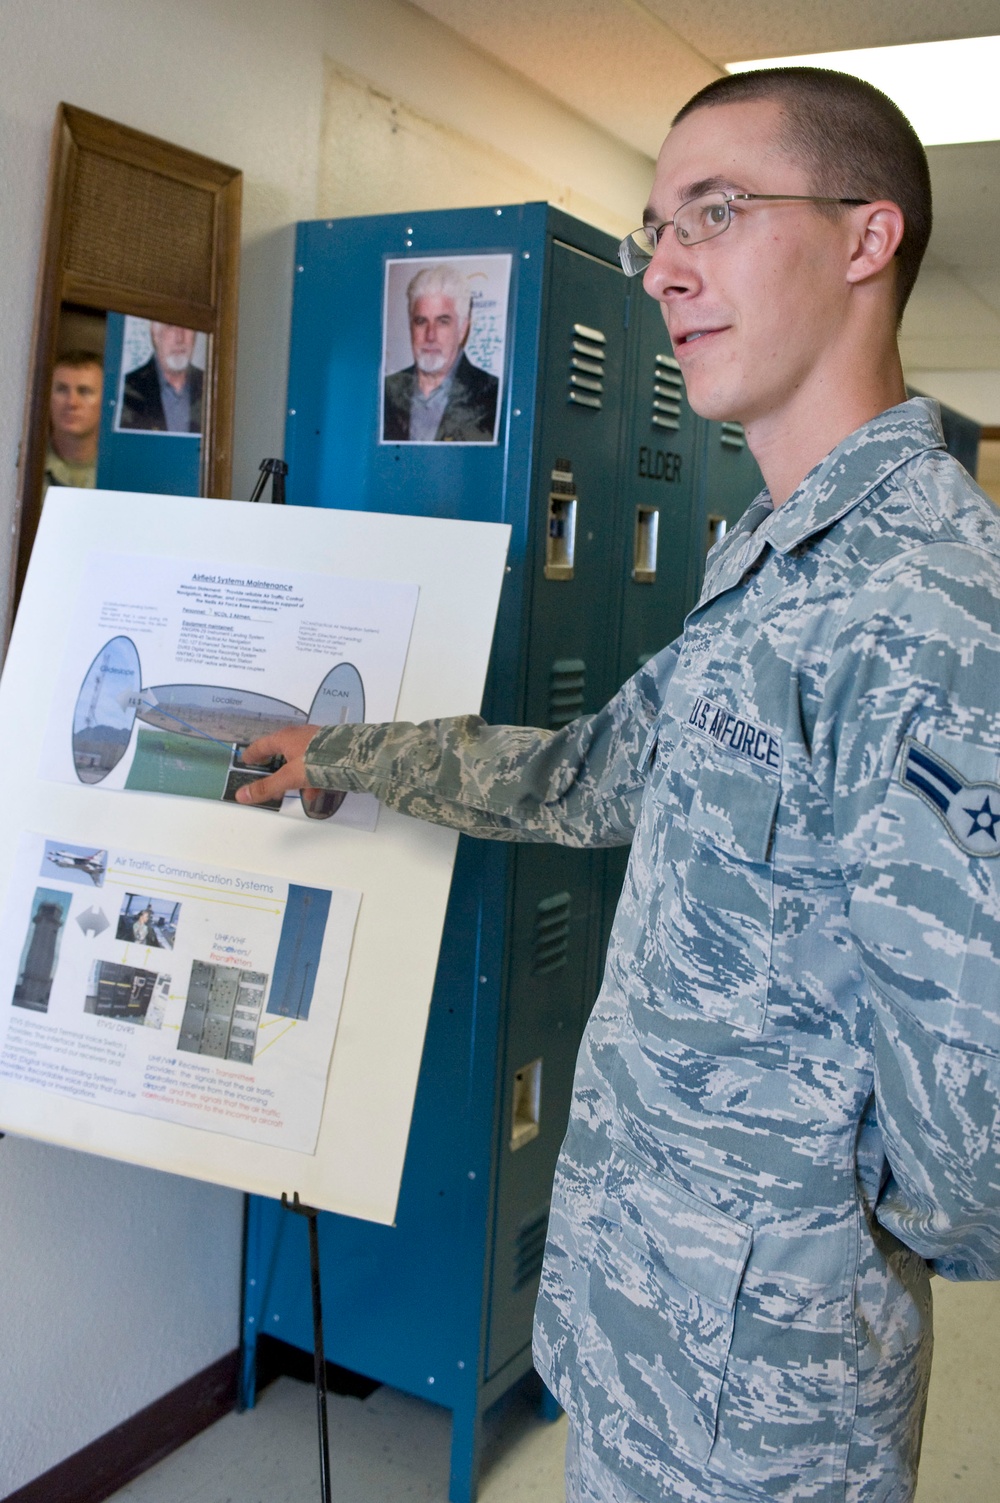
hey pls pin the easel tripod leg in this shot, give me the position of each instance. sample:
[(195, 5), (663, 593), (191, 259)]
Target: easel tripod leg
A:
[(319, 1363), (319, 1355)]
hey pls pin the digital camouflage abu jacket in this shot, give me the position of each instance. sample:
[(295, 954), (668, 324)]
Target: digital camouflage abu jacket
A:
[(787, 1101)]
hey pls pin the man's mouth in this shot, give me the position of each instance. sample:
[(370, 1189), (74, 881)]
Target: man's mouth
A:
[(685, 339)]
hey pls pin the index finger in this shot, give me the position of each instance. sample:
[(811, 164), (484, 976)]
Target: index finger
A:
[(275, 786), (262, 750)]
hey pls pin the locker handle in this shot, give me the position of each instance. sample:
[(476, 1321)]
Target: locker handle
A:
[(560, 536), (716, 531), (646, 538), (526, 1105)]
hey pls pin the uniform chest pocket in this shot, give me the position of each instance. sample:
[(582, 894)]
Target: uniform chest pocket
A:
[(716, 894)]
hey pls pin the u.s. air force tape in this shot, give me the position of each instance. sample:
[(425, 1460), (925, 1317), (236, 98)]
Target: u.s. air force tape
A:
[(737, 732), (970, 812)]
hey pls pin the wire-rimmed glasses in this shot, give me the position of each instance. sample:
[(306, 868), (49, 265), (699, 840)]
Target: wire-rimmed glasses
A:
[(703, 218)]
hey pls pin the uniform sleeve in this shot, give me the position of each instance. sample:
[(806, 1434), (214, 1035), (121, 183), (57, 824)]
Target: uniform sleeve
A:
[(579, 786), (912, 727)]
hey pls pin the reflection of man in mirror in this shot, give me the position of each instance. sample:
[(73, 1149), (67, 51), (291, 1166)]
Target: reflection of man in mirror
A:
[(164, 395), (74, 420), (442, 395)]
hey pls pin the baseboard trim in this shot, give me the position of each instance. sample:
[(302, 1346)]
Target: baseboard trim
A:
[(278, 1359), (131, 1448)]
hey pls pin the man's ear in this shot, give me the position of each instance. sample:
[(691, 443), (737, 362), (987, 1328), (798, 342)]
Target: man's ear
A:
[(879, 230)]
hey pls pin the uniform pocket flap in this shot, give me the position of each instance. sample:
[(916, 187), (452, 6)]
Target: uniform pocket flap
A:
[(735, 810), (679, 1235)]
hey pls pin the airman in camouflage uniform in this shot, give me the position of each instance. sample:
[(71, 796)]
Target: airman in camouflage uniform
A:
[(786, 1112)]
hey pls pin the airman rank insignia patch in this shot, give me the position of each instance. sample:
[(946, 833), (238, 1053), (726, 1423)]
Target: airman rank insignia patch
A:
[(970, 812)]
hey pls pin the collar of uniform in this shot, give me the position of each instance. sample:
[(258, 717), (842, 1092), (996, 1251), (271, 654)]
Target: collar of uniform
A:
[(738, 549), (851, 471), (832, 488)]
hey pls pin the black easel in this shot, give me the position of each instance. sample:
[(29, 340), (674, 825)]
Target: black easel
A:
[(319, 1359), (274, 470)]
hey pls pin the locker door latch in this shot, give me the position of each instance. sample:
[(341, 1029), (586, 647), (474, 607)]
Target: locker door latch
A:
[(716, 531), (647, 531), (560, 532), (526, 1105)]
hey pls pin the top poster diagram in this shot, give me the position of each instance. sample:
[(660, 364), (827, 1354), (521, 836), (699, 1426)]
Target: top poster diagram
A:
[(444, 342), (173, 667)]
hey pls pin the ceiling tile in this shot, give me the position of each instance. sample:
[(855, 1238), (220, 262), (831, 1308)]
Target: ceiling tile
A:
[(729, 31), (610, 60), (942, 307), (966, 203), (986, 285)]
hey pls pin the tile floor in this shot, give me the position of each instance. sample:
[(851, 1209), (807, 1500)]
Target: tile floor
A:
[(391, 1448)]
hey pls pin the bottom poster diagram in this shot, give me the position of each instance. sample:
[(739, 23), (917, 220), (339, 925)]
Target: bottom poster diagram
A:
[(190, 993)]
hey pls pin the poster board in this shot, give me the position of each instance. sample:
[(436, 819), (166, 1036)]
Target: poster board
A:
[(167, 858)]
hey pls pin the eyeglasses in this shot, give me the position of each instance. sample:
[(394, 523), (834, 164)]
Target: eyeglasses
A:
[(701, 219)]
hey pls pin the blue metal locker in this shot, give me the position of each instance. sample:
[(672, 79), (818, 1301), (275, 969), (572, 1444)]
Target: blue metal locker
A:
[(595, 438)]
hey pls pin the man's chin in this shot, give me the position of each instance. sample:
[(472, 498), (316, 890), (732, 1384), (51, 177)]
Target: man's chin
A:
[(715, 403)]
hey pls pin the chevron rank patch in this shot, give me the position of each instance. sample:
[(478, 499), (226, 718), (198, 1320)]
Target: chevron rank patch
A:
[(970, 812)]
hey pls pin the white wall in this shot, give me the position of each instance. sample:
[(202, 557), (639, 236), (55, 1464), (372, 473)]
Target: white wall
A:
[(120, 1283)]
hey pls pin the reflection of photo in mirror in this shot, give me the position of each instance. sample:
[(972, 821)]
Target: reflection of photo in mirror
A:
[(40, 955), (162, 380), (444, 332), (119, 991), (148, 921)]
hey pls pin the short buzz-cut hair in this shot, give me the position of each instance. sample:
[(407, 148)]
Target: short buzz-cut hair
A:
[(442, 280), (77, 359), (851, 138)]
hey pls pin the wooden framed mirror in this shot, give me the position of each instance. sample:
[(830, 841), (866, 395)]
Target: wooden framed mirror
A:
[(140, 278)]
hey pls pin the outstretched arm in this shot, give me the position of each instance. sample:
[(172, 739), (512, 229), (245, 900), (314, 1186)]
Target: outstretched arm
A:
[(578, 786)]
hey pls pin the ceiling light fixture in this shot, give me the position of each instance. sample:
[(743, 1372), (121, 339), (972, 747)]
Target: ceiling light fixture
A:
[(948, 90)]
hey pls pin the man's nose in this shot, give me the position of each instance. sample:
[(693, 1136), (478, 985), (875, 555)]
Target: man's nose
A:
[(671, 269)]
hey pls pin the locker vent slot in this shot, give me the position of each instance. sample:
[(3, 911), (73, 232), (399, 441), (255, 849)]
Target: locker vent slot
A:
[(731, 436), (668, 394), (586, 366), (566, 687), (529, 1248), (550, 951), (560, 532)]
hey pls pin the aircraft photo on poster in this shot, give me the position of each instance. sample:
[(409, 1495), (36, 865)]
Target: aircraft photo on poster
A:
[(172, 989), (174, 667)]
